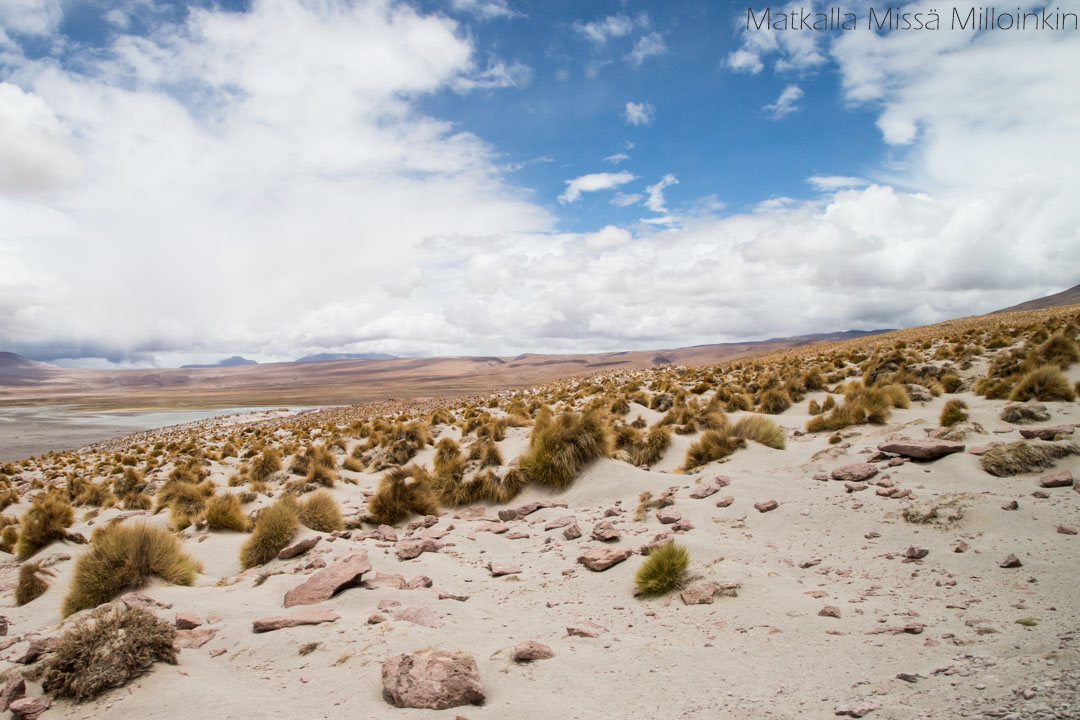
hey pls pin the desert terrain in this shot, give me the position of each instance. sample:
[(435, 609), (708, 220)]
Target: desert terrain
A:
[(882, 527)]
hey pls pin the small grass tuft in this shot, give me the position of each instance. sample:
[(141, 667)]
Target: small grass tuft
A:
[(320, 511), (953, 413), (224, 512), (1043, 383), (275, 527), (402, 492), (664, 570), (561, 447), (46, 520), (31, 585)]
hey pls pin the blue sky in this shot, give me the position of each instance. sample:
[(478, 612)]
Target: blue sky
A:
[(185, 181)]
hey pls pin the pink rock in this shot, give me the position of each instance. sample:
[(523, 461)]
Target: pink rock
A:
[(1011, 562), (561, 522), (187, 621), (961, 547), (704, 491), (142, 601), (916, 553), (983, 449), (725, 501), (602, 558), (1046, 433), (588, 630), (572, 531), (668, 515), (1011, 505), (682, 525), (604, 531), (500, 569), (308, 616), (375, 619), (219, 652), (213, 618), (859, 472), (14, 689), (1066, 530), (921, 448), (414, 547), (766, 505), (386, 533), (420, 581), (418, 616), (391, 580), (29, 708), (853, 487), (701, 593), (344, 572), (1061, 478), (435, 680), (38, 646), (529, 650), (297, 549), (829, 611), (193, 639), (494, 528)]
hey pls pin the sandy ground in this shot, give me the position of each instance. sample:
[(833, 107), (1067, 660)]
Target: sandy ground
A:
[(765, 653)]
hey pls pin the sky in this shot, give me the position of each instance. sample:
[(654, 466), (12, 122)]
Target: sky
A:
[(185, 181)]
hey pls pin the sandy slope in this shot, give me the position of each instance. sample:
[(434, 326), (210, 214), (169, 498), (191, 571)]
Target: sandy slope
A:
[(763, 654)]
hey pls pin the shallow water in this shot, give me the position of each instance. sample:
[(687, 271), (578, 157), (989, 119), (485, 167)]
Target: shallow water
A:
[(28, 431)]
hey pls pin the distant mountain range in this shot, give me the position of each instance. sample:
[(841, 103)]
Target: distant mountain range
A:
[(233, 361), (326, 357)]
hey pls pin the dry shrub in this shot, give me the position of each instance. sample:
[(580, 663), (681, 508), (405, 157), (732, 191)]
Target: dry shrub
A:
[(223, 512), (1060, 350), (760, 429), (106, 650), (1043, 383), (1025, 456), (652, 449), (275, 527), (647, 502), (320, 511), (31, 585), (46, 520), (664, 570), (265, 465), (402, 492), (123, 557), (953, 413), (775, 401), (713, 445), (560, 448)]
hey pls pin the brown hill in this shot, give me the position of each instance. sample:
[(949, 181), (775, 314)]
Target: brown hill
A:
[(1065, 297)]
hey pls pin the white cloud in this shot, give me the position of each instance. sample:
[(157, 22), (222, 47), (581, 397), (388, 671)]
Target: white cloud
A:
[(497, 75), (651, 45), (743, 60), (35, 147), (600, 31), (592, 183), (485, 9), (639, 113), (655, 201), (626, 199), (787, 103), (617, 158), (831, 183), (30, 17)]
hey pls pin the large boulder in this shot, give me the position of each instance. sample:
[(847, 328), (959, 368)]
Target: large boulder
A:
[(436, 680), (345, 572), (921, 448)]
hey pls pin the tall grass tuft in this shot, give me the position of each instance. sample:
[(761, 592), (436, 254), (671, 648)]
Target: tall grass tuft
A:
[(664, 570), (275, 526), (560, 448)]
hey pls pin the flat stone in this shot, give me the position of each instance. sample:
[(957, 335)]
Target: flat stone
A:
[(193, 639), (859, 472), (308, 616), (500, 569), (703, 491), (830, 611), (1046, 433), (916, 553), (602, 558), (299, 548), (604, 531), (187, 621), (1060, 478), (702, 593), (14, 689), (668, 515), (921, 448), (29, 708), (561, 522), (390, 580), (1066, 530), (725, 501), (571, 531), (854, 487), (856, 710), (1011, 562), (766, 505), (419, 616), (436, 680), (345, 572), (589, 630), (414, 547)]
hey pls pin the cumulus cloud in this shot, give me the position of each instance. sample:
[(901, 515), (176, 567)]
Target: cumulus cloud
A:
[(655, 199), (592, 183), (600, 31), (787, 103), (35, 147), (647, 46), (639, 113)]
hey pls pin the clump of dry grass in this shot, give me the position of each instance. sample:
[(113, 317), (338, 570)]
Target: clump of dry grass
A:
[(321, 512), (265, 465), (647, 502), (1025, 456), (224, 512), (402, 492), (761, 430), (31, 585), (664, 570), (652, 448), (123, 557), (46, 520), (1043, 383), (275, 527), (561, 447), (107, 650), (1060, 350), (953, 413), (775, 401), (713, 445)]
